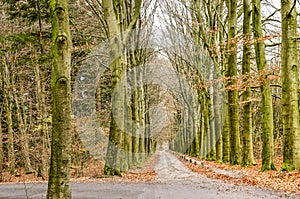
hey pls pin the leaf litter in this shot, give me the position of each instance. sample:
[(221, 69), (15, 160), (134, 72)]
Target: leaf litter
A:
[(287, 182)]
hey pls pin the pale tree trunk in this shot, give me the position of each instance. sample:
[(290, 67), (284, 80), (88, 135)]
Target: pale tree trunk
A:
[(267, 107), (117, 18), (21, 120), (210, 43), (112, 164), (232, 92), (41, 104), (218, 103), (10, 135), (211, 129), (126, 133), (218, 106), (290, 83), (59, 176), (136, 119), (248, 157), (22, 127), (143, 139), (136, 114), (205, 128), (143, 116), (42, 114), (25, 134)]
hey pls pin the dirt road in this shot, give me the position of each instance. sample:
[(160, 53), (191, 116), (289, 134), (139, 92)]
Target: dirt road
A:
[(174, 181)]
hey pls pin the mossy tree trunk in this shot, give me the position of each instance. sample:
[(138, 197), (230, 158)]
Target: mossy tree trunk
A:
[(248, 157), (59, 176), (117, 17), (290, 83), (267, 107), (210, 43), (112, 166), (8, 108), (235, 157), (226, 137)]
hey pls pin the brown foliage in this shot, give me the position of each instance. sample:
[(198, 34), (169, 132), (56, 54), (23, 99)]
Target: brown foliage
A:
[(287, 182)]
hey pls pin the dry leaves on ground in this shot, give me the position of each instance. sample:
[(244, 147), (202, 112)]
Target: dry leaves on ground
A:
[(288, 182), (93, 172)]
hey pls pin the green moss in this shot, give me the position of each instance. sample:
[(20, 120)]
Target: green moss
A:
[(268, 167), (287, 167), (111, 171)]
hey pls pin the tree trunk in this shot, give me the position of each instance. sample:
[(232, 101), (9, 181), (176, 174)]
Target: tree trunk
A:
[(211, 129), (290, 83), (136, 113), (232, 83), (127, 129), (1, 149), (267, 107), (218, 98), (7, 106), (112, 166), (248, 158), (59, 176), (117, 18), (226, 137), (42, 115), (22, 128)]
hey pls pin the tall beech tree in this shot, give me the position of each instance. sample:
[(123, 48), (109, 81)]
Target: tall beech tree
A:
[(112, 164), (231, 73), (266, 106), (8, 108), (118, 19), (59, 176), (290, 83), (248, 158)]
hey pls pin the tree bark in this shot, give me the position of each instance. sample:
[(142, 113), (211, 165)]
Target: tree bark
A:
[(42, 115), (248, 157), (7, 105), (267, 107), (290, 83), (59, 176), (112, 164), (233, 111), (117, 18), (226, 137), (22, 127)]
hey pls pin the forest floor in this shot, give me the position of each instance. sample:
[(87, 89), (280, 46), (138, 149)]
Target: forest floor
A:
[(162, 176), (284, 182), (93, 172)]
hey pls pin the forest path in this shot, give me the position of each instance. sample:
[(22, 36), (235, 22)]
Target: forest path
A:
[(170, 169), (174, 181)]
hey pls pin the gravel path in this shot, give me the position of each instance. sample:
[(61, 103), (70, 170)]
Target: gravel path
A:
[(174, 181)]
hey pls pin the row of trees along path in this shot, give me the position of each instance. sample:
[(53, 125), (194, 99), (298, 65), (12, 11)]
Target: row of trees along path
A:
[(242, 68)]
